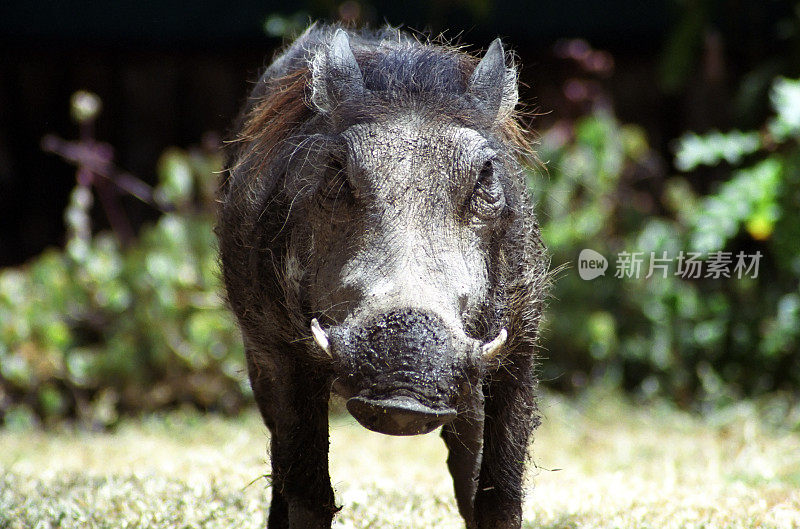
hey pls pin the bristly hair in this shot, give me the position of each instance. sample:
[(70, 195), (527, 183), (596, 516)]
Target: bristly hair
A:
[(394, 65)]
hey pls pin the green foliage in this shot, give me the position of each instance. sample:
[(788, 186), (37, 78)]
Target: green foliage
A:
[(98, 329), (688, 338), (748, 199), (715, 147), (785, 98)]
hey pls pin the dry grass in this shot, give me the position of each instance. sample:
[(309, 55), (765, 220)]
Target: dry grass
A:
[(621, 467)]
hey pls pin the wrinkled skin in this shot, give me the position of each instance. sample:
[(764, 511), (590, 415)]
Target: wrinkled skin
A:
[(384, 250)]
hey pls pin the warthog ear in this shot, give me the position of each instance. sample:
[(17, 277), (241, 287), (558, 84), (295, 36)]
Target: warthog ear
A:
[(335, 74), (493, 85)]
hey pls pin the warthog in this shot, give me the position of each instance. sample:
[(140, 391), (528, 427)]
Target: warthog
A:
[(377, 241)]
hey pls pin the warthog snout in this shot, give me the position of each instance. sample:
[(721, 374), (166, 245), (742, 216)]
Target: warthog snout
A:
[(398, 415), (404, 371)]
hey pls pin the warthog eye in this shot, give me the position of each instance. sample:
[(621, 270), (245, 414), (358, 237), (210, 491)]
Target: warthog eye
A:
[(487, 201)]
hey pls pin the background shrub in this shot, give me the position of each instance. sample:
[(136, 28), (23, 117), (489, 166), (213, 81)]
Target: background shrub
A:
[(105, 327), (694, 340), (99, 329)]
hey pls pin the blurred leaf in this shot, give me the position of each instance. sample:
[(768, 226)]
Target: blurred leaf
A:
[(785, 98), (52, 401), (176, 183), (602, 332), (783, 329), (712, 148), (750, 197), (17, 370)]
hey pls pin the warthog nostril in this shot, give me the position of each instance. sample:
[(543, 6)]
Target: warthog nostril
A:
[(398, 415)]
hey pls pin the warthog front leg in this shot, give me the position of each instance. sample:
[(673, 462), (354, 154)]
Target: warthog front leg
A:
[(464, 440), (510, 419), (296, 414)]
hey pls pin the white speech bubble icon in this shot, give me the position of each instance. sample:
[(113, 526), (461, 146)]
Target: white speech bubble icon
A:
[(591, 264)]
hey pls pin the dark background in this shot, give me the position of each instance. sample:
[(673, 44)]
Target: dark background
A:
[(170, 72)]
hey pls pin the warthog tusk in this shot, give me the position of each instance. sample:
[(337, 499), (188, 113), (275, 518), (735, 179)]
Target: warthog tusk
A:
[(321, 337), (489, 350)]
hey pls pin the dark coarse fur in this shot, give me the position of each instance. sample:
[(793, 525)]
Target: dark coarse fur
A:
[(265, 249)]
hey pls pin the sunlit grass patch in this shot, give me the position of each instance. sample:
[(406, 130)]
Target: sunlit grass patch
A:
[(635, 467), (599, 462), (148, 500)]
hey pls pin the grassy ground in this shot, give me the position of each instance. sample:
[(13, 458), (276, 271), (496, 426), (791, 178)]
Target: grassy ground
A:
[(599, 463)]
